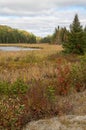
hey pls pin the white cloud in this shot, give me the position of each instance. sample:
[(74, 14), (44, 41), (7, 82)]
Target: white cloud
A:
[(41, 16)]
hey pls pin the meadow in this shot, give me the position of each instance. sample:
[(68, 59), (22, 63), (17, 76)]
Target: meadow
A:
[(40, 84)]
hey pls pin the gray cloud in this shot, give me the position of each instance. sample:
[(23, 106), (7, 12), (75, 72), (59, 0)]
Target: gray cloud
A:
[(41, 16), (26, 7)]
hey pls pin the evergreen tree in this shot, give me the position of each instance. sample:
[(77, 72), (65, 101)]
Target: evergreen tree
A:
[(63, 35), (54, 36), (85, 29), (85, 38), (59, 36), (76, 42)]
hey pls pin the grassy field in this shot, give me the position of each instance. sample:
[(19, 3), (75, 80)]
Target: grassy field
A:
[(31, 62), (38, 84)]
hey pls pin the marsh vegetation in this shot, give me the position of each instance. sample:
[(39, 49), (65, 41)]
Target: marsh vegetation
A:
[(33, 84)]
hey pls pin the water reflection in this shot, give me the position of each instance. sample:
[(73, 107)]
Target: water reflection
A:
[(4, 48)]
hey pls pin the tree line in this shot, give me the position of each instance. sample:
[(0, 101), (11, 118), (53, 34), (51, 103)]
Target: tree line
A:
[(10, 35), (72, 40), (59, 36)]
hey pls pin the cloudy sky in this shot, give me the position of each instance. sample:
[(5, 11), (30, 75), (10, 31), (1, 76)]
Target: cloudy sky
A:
[(41, 16)]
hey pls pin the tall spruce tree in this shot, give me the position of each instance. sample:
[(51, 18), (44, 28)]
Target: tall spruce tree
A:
[(76, 40)]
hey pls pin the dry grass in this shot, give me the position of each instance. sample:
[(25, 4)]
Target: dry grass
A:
[(46, 49), (49, 75), (27, 64)]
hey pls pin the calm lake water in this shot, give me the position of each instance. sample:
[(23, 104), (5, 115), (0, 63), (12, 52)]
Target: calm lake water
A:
[(4, 48)]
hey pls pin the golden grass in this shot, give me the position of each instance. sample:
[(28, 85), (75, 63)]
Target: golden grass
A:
[(46, 49), (27, 64), (47, 73)]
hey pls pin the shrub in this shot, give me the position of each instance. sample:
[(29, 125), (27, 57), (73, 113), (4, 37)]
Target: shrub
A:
[(19, 87), (64, 79), (50, 93), (4, 87)]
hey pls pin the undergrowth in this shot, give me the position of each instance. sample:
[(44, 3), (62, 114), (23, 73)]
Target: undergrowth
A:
[(22, 101), (31, 86)]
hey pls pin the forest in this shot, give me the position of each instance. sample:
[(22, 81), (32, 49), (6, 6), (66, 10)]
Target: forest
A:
[(10, 35)]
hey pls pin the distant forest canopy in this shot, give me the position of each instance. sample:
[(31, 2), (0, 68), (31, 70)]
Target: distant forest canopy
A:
[(10, 35)]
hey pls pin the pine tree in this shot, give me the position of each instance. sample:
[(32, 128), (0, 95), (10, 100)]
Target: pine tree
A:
[(54, 36), (85, 29), (59, 36), (85, 38), (75, 38)]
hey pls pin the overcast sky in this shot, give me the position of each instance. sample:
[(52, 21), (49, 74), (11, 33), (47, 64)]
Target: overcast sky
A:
[(41, 16)]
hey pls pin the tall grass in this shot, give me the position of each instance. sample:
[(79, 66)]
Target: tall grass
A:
[(31, 83)]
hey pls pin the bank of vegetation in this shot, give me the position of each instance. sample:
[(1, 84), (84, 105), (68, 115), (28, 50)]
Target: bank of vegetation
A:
[(10, 35)]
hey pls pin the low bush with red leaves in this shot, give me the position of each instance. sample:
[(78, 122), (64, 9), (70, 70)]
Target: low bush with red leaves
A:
[(21, 101)]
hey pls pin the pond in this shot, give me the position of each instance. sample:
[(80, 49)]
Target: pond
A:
[(14, 48)]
